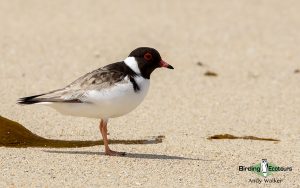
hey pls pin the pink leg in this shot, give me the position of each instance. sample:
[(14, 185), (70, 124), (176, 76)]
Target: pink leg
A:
[(103, 131)]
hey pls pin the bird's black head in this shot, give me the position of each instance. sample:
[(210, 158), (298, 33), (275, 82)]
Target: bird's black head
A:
[(148, 60)]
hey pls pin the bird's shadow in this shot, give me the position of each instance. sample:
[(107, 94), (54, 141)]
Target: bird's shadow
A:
[(130, 155)]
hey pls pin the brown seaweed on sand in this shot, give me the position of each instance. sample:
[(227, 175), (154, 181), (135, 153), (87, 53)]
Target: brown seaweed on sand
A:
[(13, 134), (229, 136)]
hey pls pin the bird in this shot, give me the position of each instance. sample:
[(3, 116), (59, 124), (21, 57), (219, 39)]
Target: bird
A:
[(107, 92), (264, 166)]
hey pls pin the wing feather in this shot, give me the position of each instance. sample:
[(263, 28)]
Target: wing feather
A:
[(98, 79)]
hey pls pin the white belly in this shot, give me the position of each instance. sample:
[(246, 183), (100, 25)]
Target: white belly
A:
[(107, 103)]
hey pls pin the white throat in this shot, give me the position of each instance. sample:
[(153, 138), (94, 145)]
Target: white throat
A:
[(131, 62)]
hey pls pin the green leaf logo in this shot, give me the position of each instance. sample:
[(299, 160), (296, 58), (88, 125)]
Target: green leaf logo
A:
[(269, 171)]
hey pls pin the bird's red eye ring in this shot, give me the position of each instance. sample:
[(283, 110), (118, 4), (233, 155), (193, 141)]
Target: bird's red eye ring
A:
[(148, 56)]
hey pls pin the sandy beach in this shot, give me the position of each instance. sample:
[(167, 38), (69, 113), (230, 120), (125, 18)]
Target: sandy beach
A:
[(237, 71)]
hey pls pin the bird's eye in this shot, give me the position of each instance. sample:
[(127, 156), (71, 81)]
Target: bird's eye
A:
[(147, 56)]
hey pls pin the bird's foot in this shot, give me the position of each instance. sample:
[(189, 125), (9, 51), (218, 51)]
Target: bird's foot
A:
[(114, 153)]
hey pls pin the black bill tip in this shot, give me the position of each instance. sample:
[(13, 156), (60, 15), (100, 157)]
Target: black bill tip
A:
[(170, 67)]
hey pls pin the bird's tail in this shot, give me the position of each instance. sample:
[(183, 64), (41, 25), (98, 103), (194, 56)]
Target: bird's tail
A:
[(29, 100)]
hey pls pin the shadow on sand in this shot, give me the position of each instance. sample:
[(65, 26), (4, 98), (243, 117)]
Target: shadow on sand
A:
[(129, 155)]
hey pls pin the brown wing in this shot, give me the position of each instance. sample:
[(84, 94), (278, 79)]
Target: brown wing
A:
[(99, 79)]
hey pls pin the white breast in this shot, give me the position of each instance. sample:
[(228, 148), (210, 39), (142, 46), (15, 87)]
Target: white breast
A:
[(108, 103)]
